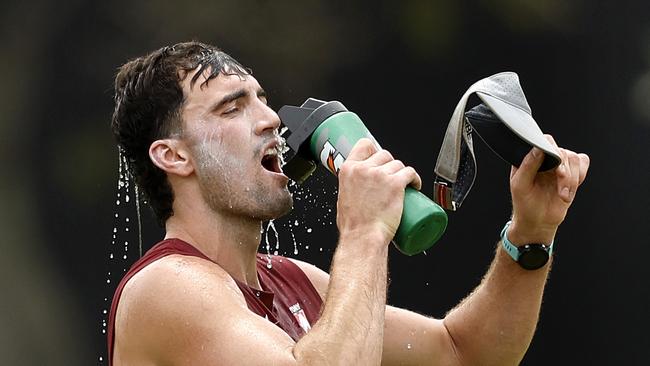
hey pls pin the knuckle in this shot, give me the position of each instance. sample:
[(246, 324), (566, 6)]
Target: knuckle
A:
[(410, 170), (562, 170), (364, 141), (347, 168), (385, 154)]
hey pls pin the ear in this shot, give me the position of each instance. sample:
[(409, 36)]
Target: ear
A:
[(171, 156)]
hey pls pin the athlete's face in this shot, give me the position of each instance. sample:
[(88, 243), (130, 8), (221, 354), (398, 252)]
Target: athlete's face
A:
[(232, 135)]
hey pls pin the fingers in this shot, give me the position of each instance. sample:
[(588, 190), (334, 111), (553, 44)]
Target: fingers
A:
[(584, 167), (384, 161), (571, 172), (380, 157), (366, 151), (572, 166), (566, 176), (362, 150), (408, 176), (563, 176), (577, 166)]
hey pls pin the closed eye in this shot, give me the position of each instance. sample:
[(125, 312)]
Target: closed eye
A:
[(230, 110)]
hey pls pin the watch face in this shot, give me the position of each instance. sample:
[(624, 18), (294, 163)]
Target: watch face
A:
[(533, 256)]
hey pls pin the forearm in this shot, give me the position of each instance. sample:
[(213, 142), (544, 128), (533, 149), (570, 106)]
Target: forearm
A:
[(350, 329), (495, 324)]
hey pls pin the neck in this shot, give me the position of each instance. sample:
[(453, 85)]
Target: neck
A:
[(228, 240)]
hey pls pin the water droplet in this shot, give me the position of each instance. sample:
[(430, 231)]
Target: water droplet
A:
[(309, 230), (296, 223), (408, 346), (101, 358), (114, 230), (127, 198), (270, 226), (295, 244), (124, 256), (104, 313), (116, 215), (127, 219), (108, 281), (117, 202)]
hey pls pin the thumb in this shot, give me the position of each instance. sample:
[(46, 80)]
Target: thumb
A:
[(524, 176)]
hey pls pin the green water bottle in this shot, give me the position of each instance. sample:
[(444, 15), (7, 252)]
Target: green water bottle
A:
[(323, 133)]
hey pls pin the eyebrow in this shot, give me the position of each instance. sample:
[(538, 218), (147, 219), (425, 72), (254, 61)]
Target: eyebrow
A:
[(241, 93)]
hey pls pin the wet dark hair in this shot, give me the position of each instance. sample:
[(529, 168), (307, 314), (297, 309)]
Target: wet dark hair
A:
[(148, 105)]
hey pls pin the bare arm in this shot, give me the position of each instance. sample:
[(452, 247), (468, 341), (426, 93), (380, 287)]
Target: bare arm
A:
[(495, 324), (189, 311)]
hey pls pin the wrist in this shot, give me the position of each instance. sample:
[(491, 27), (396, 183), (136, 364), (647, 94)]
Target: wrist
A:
[(364, 238), (521, 233), (530, 256)]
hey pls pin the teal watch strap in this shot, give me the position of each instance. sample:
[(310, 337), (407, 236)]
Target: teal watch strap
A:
[(512, 249)]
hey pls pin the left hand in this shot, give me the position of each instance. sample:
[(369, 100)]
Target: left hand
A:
[(540, 200)]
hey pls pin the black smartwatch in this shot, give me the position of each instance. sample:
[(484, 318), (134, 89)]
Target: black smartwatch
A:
[(529, 256)]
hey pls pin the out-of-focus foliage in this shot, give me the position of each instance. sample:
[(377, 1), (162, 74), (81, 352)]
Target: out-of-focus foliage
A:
[(401, 65)]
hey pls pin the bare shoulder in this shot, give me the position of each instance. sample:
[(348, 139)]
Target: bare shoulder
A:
[(163, 306), (319, 278), (168, 277)]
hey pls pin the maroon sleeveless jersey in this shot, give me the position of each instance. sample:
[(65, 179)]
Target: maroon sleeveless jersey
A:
[(287, 299)]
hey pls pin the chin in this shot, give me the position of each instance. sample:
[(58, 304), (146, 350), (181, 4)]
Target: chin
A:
[(273, 209), (281, 207)]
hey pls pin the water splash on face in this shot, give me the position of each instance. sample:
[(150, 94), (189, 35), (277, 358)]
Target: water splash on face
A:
[(282, 145)]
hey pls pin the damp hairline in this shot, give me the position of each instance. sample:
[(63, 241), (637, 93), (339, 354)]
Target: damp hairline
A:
[(212, 63)]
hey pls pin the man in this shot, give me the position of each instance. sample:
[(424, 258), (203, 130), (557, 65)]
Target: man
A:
[(203, 146)]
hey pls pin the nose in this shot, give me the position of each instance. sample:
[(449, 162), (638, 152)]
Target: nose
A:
[(268, 120)]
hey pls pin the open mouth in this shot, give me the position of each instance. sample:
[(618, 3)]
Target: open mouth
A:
[(271, 162)]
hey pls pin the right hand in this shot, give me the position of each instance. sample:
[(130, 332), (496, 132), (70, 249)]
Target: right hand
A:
[(371, 191)]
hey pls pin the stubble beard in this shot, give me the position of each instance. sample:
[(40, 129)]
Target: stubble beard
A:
[(226, 187)]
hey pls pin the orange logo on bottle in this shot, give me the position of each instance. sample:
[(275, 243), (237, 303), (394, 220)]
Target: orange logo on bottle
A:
[(331, 158)]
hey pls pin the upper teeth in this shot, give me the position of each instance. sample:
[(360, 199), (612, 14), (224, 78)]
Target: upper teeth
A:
[(271, 151)]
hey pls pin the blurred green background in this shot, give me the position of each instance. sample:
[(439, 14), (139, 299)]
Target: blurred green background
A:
[(401, 66)]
